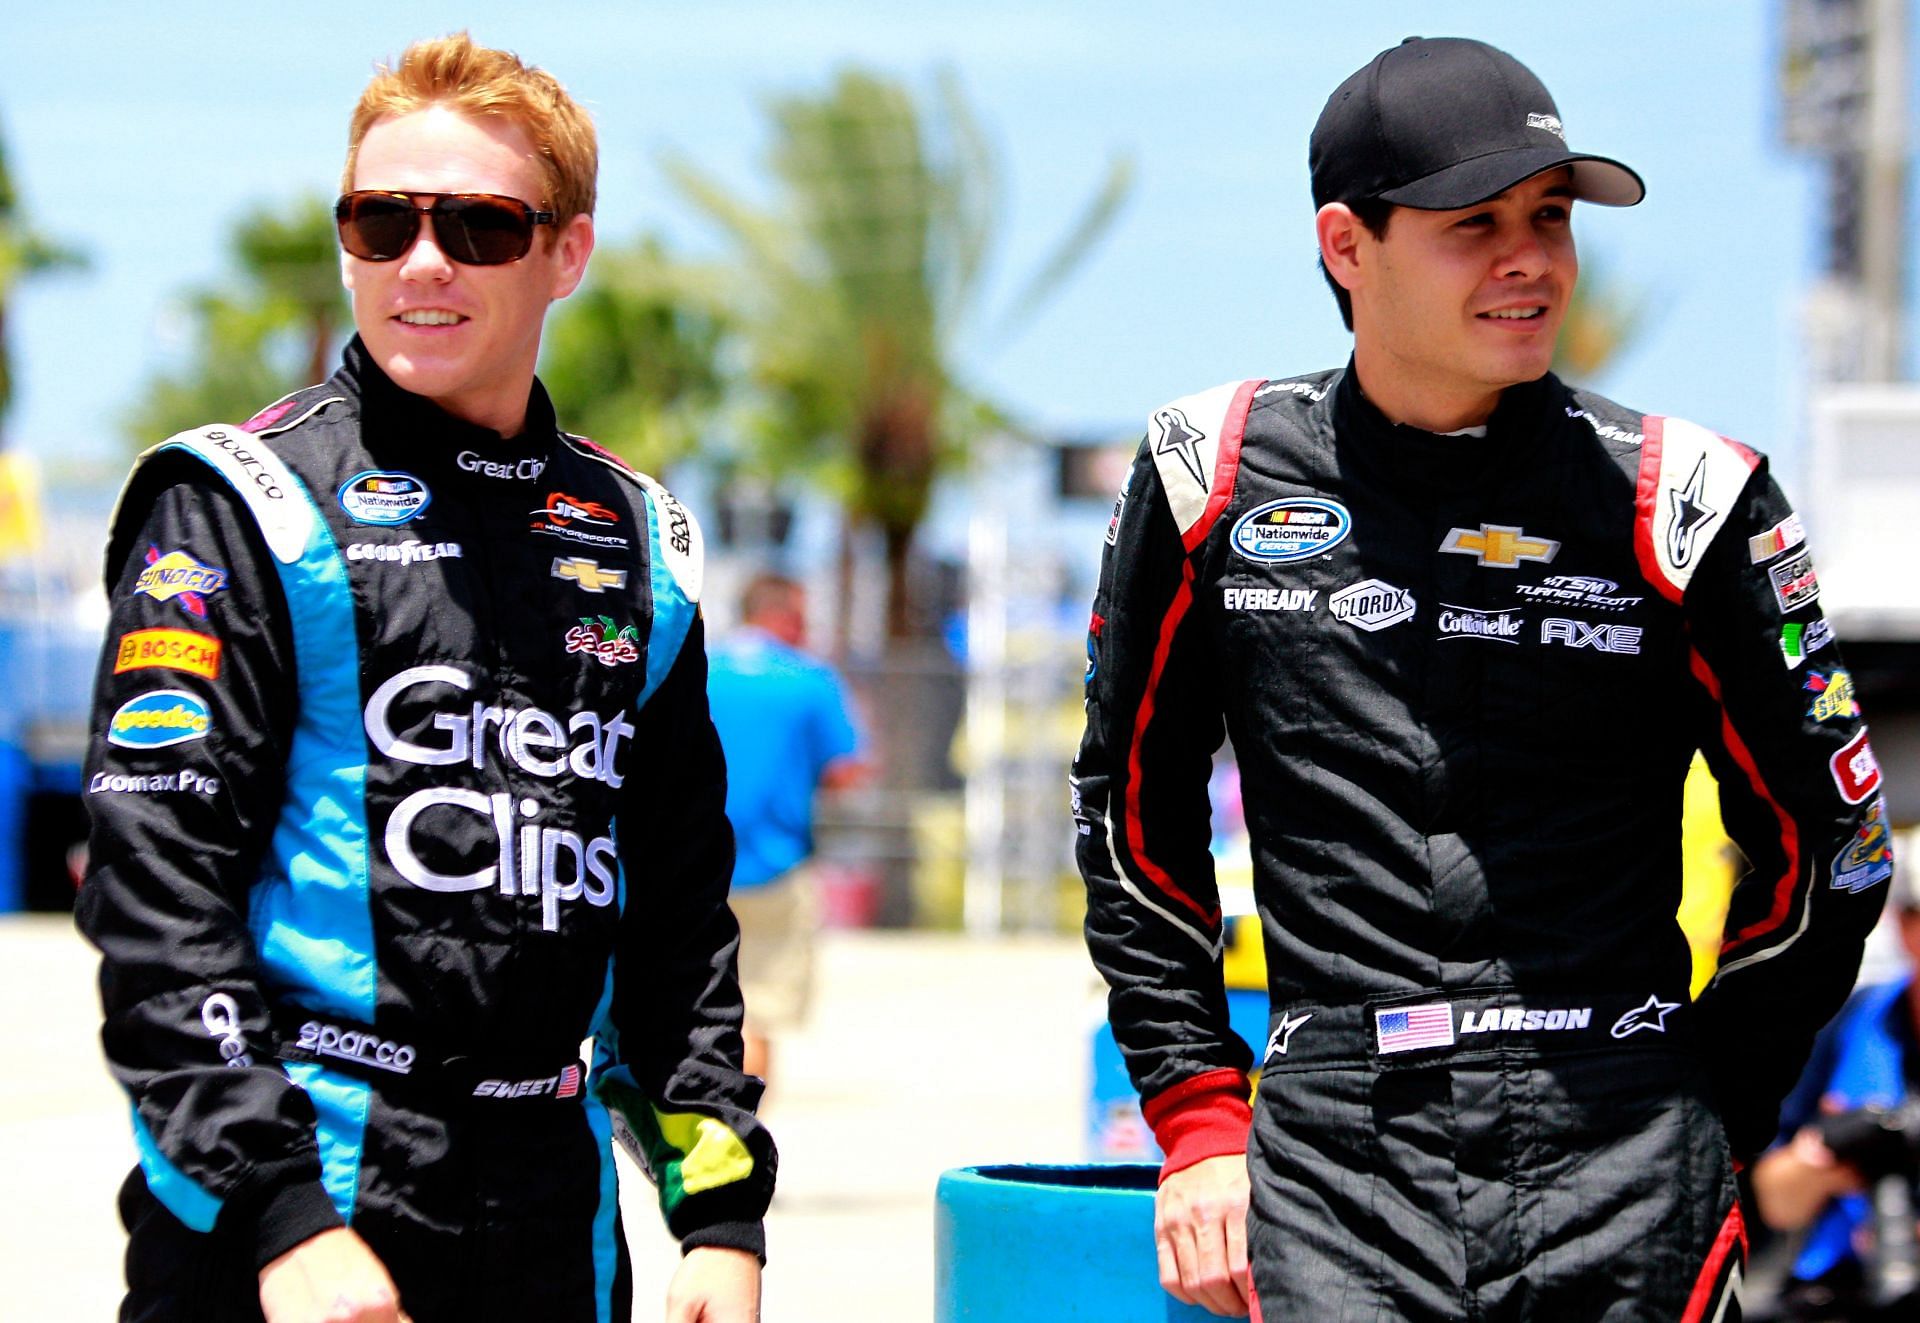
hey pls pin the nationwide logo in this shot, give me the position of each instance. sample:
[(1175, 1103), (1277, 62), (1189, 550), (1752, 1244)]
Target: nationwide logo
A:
[(1855, 770), (1783, 536), (1797, 640), (1652, 1015), (410, 552), (1794, 582), (1466, 622), (1868, 858), (1689, 515), (1526, 1020), (1601, 637), (1174, 435), (1583, 590), (588, 574), (1501, 546), (175, 649), (1833, 695), (380, 497), (160, 718), (176, 576), (1371, 605), (598, 637), (1298, 528), (1269, 599)]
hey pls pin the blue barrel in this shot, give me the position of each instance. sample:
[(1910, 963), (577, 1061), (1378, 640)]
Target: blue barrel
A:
[(1019, 1243)]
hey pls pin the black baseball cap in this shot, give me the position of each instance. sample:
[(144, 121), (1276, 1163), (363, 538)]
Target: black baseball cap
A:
[(1444, 122)]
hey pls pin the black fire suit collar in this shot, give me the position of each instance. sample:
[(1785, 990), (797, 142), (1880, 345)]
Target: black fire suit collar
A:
[(1400, 454), (410, 430)]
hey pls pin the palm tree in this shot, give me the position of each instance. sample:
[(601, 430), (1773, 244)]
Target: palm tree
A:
[(634, 356), (24, 253), (275, 330), (857, 286)]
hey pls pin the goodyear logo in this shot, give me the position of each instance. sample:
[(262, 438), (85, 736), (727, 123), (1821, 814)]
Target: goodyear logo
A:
[(175, 574), (176, 649), (155, 720), (1295, 529)]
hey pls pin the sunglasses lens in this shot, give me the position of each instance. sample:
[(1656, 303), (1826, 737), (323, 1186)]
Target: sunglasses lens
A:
[(482, 231), (376, 228)]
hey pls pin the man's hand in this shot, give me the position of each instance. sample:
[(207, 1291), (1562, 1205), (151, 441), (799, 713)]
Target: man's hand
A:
[(1200, 1233), (1794, 1182), (331, 1278), (715, 1285)]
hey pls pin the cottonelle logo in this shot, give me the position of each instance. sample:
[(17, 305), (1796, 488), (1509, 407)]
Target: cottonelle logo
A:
[(532, 859), (1471, 623)]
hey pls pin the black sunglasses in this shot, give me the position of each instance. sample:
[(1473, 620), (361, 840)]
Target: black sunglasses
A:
[(474, 229)]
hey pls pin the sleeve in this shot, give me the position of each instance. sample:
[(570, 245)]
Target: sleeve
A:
[(192, 717), (1141, 812), (670, 1067), (1799, 788)]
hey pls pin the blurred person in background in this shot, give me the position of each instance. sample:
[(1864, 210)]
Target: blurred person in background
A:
[(1868, 1057), (1465, 626), (785, 724), (403, 784)]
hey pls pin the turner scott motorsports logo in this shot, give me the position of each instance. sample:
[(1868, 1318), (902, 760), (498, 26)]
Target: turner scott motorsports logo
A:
[(533, 858)]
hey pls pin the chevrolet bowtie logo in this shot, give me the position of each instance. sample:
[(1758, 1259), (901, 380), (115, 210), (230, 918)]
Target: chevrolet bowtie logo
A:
[(1500, 545), (588, 574)]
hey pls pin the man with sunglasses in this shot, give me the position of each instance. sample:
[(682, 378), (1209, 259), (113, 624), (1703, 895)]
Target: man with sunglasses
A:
[(1466, 627), (404, 784)]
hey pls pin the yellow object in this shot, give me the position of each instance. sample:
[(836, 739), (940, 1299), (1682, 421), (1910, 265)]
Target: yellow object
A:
[(19, 505), (1709, 866), (1245, 960), (714, 1155)]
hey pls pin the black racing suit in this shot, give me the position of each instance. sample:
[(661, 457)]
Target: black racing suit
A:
[(1464, 678), (402, 785)]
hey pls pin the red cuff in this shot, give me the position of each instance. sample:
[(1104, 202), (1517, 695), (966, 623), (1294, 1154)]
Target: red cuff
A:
[(1205, 1117)]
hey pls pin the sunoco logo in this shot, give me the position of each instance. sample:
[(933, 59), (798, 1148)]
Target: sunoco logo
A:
[(377, 496), (155, 720), (1296, 529), (1371, 605)]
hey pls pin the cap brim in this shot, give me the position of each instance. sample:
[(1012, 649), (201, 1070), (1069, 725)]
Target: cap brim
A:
[(1596, 179)]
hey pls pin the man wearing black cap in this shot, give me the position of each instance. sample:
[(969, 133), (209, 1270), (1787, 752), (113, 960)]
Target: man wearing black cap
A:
[(1466, 627)]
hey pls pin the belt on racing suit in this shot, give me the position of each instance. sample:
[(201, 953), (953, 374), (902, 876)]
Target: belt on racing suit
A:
[(1449, 1027), (362, 1051)]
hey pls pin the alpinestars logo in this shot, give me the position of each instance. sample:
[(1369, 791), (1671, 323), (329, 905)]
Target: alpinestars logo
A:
[(1283, 1033), (599, 638), (1174, 435), (1690, 514), (1651, 1015)]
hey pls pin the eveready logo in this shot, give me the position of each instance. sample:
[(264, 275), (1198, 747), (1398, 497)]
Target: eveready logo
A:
[(330, 1040), (221, 1016), (1270, 599), (564, 1085), (529, 858), (1522, 1019)]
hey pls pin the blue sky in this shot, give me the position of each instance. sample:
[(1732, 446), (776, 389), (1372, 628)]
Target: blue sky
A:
[(141, 132)]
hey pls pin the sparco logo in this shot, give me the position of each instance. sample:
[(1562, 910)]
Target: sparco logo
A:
[(529, 857), (1371, 605), (410, 552), (330, 1040), (159, 783), (221, 1016), (524, 470), (1524, 1019), (1469, 622), (679, 527), (248, 461)]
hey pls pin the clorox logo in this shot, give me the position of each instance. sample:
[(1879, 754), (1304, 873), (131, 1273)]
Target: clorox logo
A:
[(155, 720), (1299, 528), (380, 497)]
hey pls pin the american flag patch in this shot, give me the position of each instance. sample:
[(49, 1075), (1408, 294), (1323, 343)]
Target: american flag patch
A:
[(570, 1081), (1408, 1027)]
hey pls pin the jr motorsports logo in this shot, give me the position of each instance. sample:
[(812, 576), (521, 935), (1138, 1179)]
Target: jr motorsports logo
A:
[(1299, 528), (382, 497)]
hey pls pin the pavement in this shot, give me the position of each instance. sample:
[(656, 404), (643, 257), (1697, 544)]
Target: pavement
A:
[(924, 1052)]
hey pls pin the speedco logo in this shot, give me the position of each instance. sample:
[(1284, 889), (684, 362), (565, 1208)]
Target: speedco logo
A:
[(1295, 529), (221, 1016), (155, 720), (330, 1040), (525, 470), (533, 859)]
